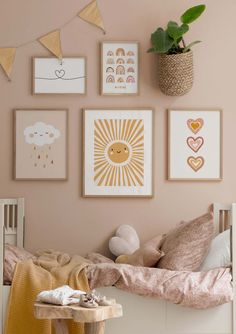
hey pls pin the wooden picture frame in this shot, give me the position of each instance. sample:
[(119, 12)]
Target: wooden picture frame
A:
[(54, 76), (195, 145), (119, 73), (40, 144), (118, 152)]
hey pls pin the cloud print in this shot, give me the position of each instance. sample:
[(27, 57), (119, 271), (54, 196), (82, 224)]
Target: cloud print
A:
[(41, 134)]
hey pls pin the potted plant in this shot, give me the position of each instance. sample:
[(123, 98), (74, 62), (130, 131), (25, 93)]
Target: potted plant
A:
[(175, 57)]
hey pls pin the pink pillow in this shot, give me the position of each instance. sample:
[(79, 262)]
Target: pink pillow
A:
[(13, 254), (146, 256), (187, 245)]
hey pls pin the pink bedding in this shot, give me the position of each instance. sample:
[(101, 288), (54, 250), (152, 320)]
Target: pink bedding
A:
[(194, 289)]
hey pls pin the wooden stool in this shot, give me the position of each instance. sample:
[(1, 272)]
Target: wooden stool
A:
[(93, 318)]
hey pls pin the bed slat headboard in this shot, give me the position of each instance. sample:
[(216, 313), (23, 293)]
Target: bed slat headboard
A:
[(222, 216), (12, 221)]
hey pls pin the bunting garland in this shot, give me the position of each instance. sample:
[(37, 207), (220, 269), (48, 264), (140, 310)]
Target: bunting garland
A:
[(91, 14), (7, 57), (52, 40)]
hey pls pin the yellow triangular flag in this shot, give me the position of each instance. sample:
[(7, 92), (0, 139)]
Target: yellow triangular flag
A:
[(7, 57), (92, 15), (52, 42)]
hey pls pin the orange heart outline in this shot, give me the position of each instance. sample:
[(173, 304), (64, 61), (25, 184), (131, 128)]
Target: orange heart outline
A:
[(195, 143), (195, 125), (195, 163)]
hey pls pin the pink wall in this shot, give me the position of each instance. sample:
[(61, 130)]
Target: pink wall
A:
[(56, 214)]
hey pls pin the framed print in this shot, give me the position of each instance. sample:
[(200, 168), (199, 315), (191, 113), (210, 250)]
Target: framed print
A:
[(40, 144), (194, 145), (117, 152), (55, 76), (119, 68)]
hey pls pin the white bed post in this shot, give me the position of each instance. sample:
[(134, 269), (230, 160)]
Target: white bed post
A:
[(20, 218), (1, 262), (233, 240)]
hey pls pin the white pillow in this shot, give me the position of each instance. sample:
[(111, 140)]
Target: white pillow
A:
[(219, 253)]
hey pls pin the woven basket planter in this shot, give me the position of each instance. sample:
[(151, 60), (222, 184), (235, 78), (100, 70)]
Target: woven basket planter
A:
[(176, 73)]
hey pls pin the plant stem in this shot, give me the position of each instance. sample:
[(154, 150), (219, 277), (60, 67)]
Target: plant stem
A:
[(184, 45)]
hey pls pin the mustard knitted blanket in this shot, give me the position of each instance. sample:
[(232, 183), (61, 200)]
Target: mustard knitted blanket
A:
[(50, 270)]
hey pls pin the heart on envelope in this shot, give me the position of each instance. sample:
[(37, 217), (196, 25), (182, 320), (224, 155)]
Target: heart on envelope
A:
[(195, 125), (125, 241), (195, 143), (195, 163)]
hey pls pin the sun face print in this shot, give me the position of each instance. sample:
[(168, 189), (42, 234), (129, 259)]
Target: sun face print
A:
[(119, 152)]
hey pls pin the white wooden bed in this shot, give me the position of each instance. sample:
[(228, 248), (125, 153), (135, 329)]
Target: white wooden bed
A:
[(141, 314), (12, 219)]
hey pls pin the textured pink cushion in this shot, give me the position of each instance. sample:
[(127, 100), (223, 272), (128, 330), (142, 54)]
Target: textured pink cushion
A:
[(187, 245), (146, 256), (13, 255)]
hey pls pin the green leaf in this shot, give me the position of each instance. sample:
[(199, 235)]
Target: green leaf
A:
[(161, 41), (151, 50), (192, 14), (188, 47), (175, 31)]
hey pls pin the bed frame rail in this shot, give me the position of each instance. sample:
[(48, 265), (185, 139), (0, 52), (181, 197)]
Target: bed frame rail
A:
[(11, 231)]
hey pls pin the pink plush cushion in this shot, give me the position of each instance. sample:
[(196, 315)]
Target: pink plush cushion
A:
[(13, 255), (146, 256), (187, 245)]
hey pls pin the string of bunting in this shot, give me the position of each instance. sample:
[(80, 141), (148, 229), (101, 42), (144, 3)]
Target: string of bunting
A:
[(52, 40)]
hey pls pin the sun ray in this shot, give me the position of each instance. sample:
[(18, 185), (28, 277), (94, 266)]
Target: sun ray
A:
[(138, 161), (127, 128), (123, 128), (99, 165), (112, 181), (112, 129), (101, 171), (108, 129), (141, 146), (137, 168), (119, 132), (130, 129), (116, 128), (127, 176), (97, 135), (134, 131), (136, 135), (141, 138), (100, 182), (119, 176), (108, 176), (104, 129), (102, 133), (132, 181), (134, 176)]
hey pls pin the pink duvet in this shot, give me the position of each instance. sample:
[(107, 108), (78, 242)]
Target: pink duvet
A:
[(194, 289)]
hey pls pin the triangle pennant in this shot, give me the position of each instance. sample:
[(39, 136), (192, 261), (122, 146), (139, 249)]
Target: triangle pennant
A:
[(91, 14), (7, 57), (52, 42)]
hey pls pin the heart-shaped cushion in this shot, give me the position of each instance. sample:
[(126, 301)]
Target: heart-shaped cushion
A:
[(125, 241)]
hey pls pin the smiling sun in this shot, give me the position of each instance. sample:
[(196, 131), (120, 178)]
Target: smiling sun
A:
[(119, 152)]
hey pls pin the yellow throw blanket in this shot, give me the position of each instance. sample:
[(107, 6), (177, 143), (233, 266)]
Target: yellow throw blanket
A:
[(50, 270)]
